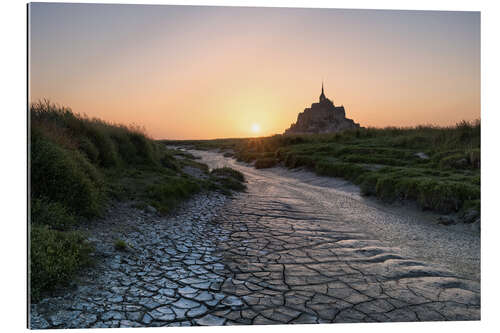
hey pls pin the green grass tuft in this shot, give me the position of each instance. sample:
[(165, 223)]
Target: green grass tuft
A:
[(228, 172), (52, 214), (227, 179), (169, 193), (267, 162), (55, 258), (120, 245), (64, 176)]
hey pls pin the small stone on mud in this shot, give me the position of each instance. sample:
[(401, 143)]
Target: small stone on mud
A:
[(151, 209)]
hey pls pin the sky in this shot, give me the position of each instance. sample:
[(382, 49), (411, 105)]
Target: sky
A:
[(194, 72)]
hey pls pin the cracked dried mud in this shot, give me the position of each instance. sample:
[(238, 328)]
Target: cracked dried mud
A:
[(292, 249)]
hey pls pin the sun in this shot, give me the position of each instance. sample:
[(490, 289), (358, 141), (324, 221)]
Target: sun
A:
[(255, 128)]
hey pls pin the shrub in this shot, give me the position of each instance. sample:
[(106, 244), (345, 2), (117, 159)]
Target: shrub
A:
[(144, 148), (55, 257), (228, 172), (194, 164), (105, 144), (89, 149), (472, 205), (455, 161), (185, 154), (127, 151), (75, 164), (108, 155), (52, 214), (386, 188), (168, 194), (64, 176), (474, 158), (231, 184), (170, 162), (267, 162), (229, 179), (368, 183), (348, 171), (244, 156), (373, 159), (406, 188), (293, 140), (444, 196), (293, 160), (411, 141)]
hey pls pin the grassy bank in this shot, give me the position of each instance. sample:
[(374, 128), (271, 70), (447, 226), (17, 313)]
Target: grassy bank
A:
[(438, 167), (78, 165)]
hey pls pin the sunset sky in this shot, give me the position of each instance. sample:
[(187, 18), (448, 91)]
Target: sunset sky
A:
[(188, 72)]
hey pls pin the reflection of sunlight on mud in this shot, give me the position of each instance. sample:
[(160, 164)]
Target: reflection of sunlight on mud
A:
[(401, 226)]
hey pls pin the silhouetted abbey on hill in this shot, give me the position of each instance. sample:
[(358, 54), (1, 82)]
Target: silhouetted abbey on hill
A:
[(322, 117)]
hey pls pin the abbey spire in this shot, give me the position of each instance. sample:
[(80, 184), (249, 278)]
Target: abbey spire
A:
[(322, 97)]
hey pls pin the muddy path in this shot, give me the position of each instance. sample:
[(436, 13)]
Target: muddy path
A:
[(293, 248), (415, 233), (310, 249)]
